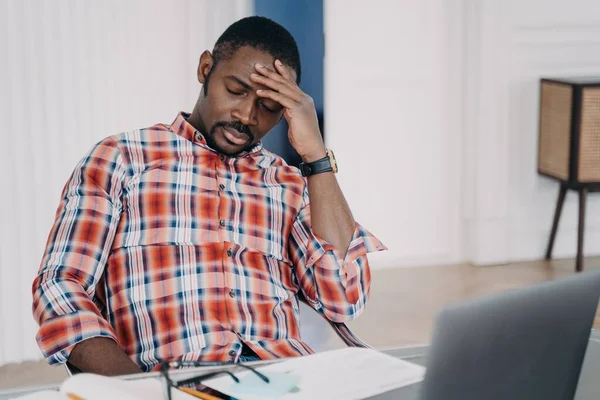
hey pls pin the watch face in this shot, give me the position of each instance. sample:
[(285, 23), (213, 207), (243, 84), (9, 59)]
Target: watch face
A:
[(332, 161)]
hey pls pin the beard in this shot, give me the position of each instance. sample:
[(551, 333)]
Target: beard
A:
[(236, 125)]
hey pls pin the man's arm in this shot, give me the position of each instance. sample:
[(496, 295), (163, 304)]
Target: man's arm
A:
[(337, 285), (331, 216), (326, 245), (72, 327), (102, 356)]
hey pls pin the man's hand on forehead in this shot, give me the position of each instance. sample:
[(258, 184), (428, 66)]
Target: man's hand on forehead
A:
[(299, 109)]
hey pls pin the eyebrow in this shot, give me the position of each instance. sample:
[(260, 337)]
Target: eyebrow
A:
[(245, 85)]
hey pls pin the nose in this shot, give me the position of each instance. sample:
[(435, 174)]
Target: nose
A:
[(245, 112)]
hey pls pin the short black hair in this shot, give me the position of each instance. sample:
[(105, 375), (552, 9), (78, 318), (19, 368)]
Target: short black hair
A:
[(262, 34)]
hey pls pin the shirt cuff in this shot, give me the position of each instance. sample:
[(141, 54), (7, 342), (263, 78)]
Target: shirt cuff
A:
[(342, 282), (362, 243), (58, 336)]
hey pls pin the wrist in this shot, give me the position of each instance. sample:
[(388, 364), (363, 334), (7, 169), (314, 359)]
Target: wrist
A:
[(314, 156), (319, 165)]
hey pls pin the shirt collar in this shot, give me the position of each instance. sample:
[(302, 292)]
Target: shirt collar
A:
[(184, 129)]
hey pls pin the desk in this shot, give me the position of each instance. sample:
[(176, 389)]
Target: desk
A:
[(588, 389)]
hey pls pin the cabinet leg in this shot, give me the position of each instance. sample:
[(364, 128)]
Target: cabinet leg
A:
[(559, 205), (581, 229)]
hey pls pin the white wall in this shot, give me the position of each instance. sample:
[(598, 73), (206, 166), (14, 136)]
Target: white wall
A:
[(393, 91), (511, 44), (73, 72), (432, 111)]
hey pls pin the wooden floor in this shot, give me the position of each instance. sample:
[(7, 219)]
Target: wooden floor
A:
[(401, 310), (404, 302)]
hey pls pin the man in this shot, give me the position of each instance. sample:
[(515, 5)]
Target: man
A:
[(190, 241)]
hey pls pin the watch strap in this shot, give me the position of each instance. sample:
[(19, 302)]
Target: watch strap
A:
[(316, 167)]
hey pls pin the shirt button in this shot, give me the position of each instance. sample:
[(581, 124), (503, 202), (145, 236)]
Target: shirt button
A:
[(198, 137), (222, 222), (232, 352), (222, 186), (222, 158), (231, 293), (229, 253)]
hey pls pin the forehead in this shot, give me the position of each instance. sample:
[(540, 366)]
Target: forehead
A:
[(243, 60)]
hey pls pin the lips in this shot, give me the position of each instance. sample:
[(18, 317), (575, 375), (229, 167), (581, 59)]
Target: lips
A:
[(235, 137)]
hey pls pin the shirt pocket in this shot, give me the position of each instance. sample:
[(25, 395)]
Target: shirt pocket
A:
[(163, 206), (263, 229)]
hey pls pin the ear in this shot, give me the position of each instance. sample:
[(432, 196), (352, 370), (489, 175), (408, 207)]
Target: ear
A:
[(204, 66)]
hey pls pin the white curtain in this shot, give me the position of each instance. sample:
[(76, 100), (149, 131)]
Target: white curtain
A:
[(71, 73)]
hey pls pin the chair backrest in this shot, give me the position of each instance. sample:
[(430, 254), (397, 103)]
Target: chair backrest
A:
[(71, 369)]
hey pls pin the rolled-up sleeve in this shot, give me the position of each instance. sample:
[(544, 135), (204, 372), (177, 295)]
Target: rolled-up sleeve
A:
[(78, 246), (336, 285)]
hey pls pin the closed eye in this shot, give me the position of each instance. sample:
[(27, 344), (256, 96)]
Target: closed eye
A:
[(267, 108), (234, 93)]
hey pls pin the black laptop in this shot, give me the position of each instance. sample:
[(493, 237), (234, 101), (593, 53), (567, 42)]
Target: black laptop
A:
[(522, 344)]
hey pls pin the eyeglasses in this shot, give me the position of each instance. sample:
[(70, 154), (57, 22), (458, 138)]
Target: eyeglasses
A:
[(171, 383)]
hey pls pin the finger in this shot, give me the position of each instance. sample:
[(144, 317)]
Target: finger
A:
[(262, 70), (282, 69), (293, 92), (280, 98), (277, 77)]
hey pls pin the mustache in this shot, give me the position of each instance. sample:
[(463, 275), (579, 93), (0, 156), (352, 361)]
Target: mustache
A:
[(237, 125)]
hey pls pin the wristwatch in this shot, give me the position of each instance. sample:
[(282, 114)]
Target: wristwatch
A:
[(325, 164)]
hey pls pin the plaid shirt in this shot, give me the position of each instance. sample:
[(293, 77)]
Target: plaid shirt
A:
[(179, 253)]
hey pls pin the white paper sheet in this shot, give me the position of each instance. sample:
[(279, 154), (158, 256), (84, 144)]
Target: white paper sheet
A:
[(96, 387), (349, 373), (42, 395)]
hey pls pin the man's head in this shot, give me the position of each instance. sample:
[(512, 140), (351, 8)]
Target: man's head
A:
[(229, 112)]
